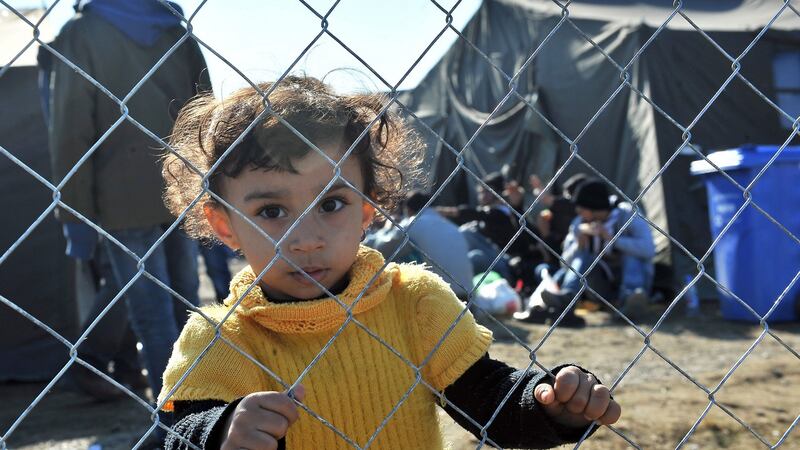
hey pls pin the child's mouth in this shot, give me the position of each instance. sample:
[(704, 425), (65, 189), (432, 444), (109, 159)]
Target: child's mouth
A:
[(315, 273)]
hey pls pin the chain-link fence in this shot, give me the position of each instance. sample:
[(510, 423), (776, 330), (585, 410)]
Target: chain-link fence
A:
[(468, 165)]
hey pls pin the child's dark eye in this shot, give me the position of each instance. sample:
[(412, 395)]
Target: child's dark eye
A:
[(272, 212), (331, 205)]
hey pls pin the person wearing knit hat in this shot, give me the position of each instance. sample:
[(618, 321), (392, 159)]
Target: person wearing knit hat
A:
[(592, 195), (624, 271)]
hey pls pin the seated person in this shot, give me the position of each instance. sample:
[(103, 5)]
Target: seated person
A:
[(554, 221), (552, 226), (624, 273), (489, 227), (437, 242), (388, 238)]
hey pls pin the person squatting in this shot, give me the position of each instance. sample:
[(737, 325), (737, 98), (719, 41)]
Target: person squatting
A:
[(289, 316)]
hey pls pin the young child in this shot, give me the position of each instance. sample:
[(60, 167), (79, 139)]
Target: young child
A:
[(230, 391)]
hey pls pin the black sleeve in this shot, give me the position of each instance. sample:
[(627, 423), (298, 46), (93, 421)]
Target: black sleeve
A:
[(199, 422), (521, 423)]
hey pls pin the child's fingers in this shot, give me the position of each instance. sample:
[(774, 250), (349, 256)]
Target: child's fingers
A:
[(299, 392), (612, 413), (577, 404), (598, 403), (260, 441), (272, 423), (260, 420), (567, 382), (277, 402), (544, 394), (250, 439)]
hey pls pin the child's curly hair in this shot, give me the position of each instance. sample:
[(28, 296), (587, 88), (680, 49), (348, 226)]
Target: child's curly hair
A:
[(389, 154)]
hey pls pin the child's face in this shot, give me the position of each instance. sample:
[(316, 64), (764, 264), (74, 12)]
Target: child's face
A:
[(325, 241)]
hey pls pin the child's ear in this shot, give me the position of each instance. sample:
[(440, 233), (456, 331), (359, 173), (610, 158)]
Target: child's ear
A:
[(367, 215), (220, 222)]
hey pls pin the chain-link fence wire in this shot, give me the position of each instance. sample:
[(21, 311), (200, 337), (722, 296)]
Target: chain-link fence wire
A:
[(461, 156)]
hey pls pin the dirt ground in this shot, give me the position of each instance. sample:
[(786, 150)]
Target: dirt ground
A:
[(660, 405)]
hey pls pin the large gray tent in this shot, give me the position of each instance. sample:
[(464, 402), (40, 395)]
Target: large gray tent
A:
[(568, 81), (567, 78)]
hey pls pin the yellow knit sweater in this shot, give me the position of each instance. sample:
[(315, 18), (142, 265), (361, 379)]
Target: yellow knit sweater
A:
[(358, 381)]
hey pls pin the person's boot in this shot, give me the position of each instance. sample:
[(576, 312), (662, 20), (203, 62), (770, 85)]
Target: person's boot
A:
[(547, 316), (534, 314), (556, 303), (570, 320), (556, 300)]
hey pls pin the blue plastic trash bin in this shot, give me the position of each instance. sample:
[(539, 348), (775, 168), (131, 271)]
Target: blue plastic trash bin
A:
[(755, 258)]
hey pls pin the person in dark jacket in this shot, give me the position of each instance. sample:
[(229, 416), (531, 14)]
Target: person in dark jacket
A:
[(111, 342), (106, 126), (490, 226)]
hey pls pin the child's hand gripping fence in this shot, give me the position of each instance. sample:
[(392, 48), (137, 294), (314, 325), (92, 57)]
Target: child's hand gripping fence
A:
[(467, 164)]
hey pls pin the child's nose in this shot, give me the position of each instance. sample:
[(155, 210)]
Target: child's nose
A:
[(306, 244), (307, 237)]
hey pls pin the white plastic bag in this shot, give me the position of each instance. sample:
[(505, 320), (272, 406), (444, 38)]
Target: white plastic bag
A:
[(496, 297)]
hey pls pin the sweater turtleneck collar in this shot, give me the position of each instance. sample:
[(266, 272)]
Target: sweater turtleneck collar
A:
[(310, 316)]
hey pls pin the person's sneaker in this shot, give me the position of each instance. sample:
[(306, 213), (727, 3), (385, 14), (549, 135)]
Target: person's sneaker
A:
[(635, 305)]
